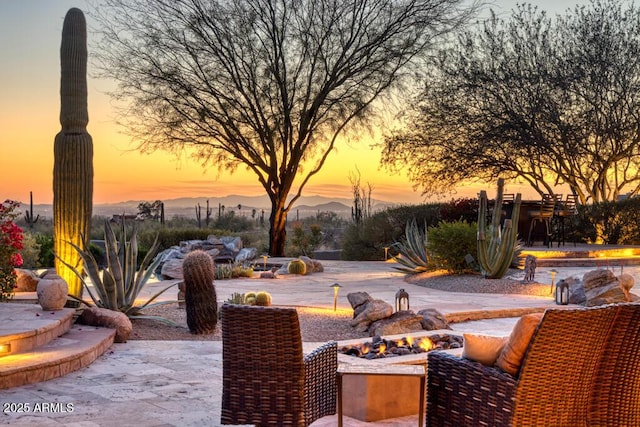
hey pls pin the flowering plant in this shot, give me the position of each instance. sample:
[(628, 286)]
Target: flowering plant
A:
[(10, 246)]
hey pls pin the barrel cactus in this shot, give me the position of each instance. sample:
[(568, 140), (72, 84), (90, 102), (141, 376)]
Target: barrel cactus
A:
[(495, 254), (250, 298), (73, 154), (263, 299), (297, 266), (200, 293)]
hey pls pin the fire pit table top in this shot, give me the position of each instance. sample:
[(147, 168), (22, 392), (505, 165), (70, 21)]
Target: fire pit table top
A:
[(409, 359)]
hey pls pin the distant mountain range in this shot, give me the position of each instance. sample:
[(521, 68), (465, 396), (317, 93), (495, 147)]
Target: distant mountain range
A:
[(185, 206)]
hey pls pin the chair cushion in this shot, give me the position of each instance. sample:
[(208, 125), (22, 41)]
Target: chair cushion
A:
[(484, 349), (514, 350)]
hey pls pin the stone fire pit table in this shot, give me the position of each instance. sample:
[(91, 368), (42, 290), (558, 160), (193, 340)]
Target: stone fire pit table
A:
[(384, 388)]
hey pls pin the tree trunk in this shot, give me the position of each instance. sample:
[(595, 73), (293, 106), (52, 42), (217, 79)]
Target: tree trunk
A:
[(277, 230)]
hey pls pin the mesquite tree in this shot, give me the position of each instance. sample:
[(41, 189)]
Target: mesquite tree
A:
[(543, 100), (268, 85), (73, 153)]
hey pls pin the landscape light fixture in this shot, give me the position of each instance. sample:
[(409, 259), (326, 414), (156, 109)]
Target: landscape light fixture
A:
[(264, 262), (562, 293), (386, 253), (336, 287), (402, 300)]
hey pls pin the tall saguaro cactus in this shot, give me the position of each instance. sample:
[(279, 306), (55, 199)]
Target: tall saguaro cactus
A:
[(73, 153), (496, 254)]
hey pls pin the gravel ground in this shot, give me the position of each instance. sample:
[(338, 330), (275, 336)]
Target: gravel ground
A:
[(316, 325), (475, 283), (320, 325)]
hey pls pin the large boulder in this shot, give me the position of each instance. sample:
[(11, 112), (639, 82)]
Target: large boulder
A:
[(96, 316), (432, 319), (374, 310), (358, 301), (172, 269), (400, 322), (313, 266), (602, 287), (27, 281)]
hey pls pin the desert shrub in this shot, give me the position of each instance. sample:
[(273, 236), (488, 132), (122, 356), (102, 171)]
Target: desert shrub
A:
[(45, 253), (464, 209), (610, 222), (303, 240), (30, 251), (450, 242), (368, 240)]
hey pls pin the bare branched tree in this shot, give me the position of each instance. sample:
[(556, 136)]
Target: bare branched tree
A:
[(541, 100), (264, 84)]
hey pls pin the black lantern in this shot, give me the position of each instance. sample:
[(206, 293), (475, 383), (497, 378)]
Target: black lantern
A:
[(562, 293), (402, 300)]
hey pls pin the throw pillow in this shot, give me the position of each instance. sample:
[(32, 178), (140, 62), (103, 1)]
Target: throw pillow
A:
[(484, 349), (514, 350)]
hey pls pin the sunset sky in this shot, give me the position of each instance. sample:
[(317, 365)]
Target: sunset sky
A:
[(30, 33)]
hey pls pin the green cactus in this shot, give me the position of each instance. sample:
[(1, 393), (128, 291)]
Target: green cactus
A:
[(236, 298), (496, 253), (28, 214), (250, 298), (200, 293), (263, 299), (297, 266), (73, 154)]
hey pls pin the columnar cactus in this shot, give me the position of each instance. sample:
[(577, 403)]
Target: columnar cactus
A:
[(496, 254), (73, 153), (200, 293)]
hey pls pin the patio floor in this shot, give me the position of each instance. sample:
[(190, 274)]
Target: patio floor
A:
[(178, 383)]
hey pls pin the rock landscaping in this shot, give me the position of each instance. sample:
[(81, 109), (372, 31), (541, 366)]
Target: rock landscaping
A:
[(376, 317)]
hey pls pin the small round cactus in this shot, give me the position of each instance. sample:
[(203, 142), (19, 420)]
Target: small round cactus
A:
[(200, 293), (263, 299), (250, 298), (297, 266)]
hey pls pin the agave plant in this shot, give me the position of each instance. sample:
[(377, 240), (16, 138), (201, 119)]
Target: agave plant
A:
[(120, 282), (413, 255)]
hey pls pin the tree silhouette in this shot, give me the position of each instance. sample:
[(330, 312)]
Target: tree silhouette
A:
[(545, 101), (264, 84)]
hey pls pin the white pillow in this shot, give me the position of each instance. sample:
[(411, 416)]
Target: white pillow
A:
[(484, 349)]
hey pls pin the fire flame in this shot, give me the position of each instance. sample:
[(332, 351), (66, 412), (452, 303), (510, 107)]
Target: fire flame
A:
[(425, 344), (382, 348)]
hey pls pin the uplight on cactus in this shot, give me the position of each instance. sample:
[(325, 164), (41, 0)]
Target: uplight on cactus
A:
[(495, 254), (73, 154)]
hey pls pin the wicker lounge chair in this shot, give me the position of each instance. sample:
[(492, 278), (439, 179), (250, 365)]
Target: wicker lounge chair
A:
[(266, 379), (582, 368)]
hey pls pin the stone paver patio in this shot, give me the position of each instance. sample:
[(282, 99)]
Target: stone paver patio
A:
[(178, 383)]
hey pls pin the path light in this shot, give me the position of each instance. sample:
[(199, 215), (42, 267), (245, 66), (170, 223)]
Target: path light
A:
[(335, 287), (562, 293), (402, 300), (553, 276), (386, 253), (264, 262)]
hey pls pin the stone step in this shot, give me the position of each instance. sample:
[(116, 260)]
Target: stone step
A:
[(78, 348), (24, 327)]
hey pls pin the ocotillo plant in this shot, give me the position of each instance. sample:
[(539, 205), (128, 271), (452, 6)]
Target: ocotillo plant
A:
[(496, 254), (28, 214), (73, 153)]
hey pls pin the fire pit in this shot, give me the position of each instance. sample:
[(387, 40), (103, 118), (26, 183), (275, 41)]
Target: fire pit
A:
[(377, 397), (380, 347)]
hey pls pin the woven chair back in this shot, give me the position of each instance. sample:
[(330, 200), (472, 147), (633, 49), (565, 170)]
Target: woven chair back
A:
[(262, 366), (557, 374)]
